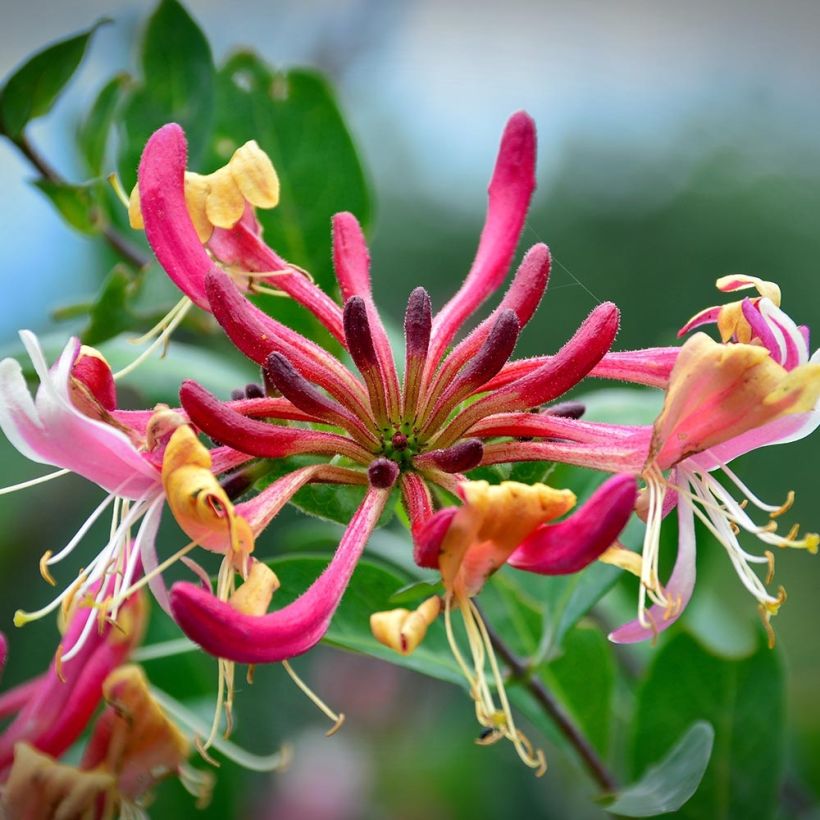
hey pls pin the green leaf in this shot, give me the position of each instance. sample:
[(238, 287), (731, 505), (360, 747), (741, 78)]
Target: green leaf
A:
[(178, 86), (743, 700), (79, 205), (294, 117), (415, 592), (111, 314), (667, 785), (94, 131), (371, 589), (583, 679), (33, 89)]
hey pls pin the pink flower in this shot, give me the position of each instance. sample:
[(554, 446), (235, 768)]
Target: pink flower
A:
[(412, 432), (722, 400)]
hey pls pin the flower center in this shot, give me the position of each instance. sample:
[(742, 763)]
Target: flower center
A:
[(400, 444)]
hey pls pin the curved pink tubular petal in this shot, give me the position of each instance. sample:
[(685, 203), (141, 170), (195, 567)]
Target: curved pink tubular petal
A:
[(510, 191), (168, 225), (563, 371), (566, 547), (650, 366), (679, 589), (13, 700), (417, 499), (226, 458), (707, 316), (761, 329), (290, 631), (271, 408), (522, 297), (780, 431), (548, 425), (796, 346), (243, 247), (265, 506), (351, 260), (616, 457), (427, 537), (258, 438), (51, 430), (257, 335)]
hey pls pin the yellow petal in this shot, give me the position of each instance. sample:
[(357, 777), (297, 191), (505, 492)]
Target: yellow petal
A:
[(197, 188), (255, 594), (135, 210), (736, 281), (402, 629), (255, 175), (493, 521), (224, 204), (199, 504)]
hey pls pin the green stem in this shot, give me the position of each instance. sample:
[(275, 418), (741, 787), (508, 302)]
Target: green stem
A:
[(523, 673), (124, 247)]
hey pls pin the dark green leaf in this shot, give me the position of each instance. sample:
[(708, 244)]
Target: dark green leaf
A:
[(79, 205), (743, 700), (178, 86), (111, 314), (667, 785), (94, 131), (370, 590), (295, 118), (32, 90), (583, 679), (415, 592)]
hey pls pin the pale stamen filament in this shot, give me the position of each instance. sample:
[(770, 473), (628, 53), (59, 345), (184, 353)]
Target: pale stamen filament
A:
[(161, 324), (32, 482), (179, 311), (747, 493), (338, 719)]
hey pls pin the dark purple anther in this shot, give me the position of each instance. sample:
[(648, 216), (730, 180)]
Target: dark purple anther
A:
[(237, 394), (383, 473), (494, 353), (399, 442), (254, 391), (298, 390), (357, 333), (418, 320), (567, 409), (466, 455)]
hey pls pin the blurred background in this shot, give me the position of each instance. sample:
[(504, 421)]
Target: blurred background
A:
[(677, 143)]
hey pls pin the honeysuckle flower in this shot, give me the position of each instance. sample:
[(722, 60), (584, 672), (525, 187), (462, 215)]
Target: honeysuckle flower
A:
[(220, 210), (133, 744), (498, 524), (414, 431), (141, 459), (51, 711), (722, 400)]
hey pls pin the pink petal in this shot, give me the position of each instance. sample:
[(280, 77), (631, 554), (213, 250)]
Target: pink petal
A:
[(510, 191), (522, 297), (259, 438), (351, 260), (51, 430), (290, 631), (707, 316), (563, 371), (241, 246), (257, 335), (566, 547), (548, 425), (428, 536), (168, 225), (680, 586), (417, 499)]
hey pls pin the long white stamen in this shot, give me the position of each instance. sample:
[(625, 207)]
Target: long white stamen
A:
[(162, 323), (69, 547), (33, 482), (338, 719), (164, 649)]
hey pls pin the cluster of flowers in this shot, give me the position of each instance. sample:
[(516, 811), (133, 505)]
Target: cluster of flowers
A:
[(457, 406)]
